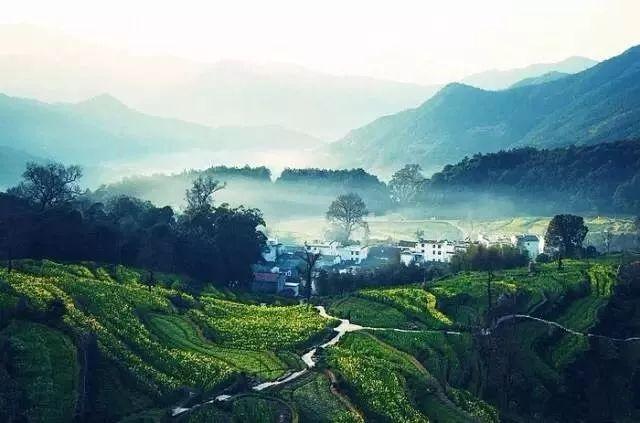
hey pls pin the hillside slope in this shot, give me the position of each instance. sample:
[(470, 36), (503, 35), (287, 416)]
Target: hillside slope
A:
[(599, 104), (547, 77), (603, 178), (102, 128), (501, 79)]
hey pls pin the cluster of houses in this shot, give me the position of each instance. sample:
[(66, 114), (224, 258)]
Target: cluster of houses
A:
[(280, 271)]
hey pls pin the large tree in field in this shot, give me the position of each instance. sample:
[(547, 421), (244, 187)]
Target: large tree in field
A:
[(566, 233), (406, 183), (348, 211), (48, 185)]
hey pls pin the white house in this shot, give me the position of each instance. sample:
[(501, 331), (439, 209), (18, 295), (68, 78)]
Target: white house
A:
[(355, 253), (436, 251), (532, 244), (324, 248), (430, 251), (409, 256), (338, 253), (272, 250)]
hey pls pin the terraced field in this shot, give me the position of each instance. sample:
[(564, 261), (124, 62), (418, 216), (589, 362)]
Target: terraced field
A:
[(423, 360), (179, 332), (139, 330), (45, 369)]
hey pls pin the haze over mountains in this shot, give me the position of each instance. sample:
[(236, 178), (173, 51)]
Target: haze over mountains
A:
[(163, 114), (500, 79), (103, 132), (54, 67), (599, 104)]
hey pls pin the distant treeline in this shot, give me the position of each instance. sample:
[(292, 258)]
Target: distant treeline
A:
[(295, 191), (597, 178), (260, 173), (351, 178)]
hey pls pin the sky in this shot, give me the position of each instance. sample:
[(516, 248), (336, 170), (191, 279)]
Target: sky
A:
[(414, 41)]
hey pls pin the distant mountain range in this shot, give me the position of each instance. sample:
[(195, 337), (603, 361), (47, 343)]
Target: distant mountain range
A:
[(599, 104), (103, 130), (501, 79), (54, 67), (13, 165), (534, 80)]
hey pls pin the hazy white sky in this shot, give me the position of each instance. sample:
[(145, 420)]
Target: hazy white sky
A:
[(421, 41)]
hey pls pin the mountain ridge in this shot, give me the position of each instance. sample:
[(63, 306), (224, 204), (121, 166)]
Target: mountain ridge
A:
[(598, 104)]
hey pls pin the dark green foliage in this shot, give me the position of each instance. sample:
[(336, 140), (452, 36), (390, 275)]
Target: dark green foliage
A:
[(48, 185), (479, 257), (217, 245), (566, 233), (340, 181), (597, 178)]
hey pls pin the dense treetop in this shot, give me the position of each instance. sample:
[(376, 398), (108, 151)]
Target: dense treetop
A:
[(604, 177)]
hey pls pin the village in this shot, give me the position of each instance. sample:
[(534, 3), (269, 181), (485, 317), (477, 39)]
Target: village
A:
[(281, 270)]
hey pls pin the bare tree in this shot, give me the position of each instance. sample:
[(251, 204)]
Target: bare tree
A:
[(310, 259), (607, 236), (48, 185), (348, 211), (200, 196)]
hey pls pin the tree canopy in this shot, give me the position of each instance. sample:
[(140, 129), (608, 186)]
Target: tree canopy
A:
[(348, 211), (405, 184), (566, 233), (48, 185)]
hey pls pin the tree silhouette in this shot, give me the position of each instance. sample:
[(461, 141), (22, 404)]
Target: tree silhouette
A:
[(348, 211), (48, 185)]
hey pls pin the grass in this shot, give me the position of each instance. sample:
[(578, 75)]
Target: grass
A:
[(315, 401), (582, 315), (178, 332), (367, 312), (446, 357), (377, 378), (256, 327), (412, 301), (168, 353), (44, 364)]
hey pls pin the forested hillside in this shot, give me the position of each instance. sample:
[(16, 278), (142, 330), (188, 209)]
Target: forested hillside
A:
[(599, 104), (596, 179)]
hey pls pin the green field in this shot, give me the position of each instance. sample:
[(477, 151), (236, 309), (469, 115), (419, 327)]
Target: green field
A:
[(152, 343)]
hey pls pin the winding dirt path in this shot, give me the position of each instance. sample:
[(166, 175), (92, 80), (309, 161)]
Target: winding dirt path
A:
[(508, 317), (346, 326)]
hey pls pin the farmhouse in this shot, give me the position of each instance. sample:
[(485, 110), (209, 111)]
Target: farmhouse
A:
[(272, 250), (270, 282), (425, 251), (532, 244)]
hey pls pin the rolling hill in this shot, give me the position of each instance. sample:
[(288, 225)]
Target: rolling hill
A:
[(599, 104), (103, 129)]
